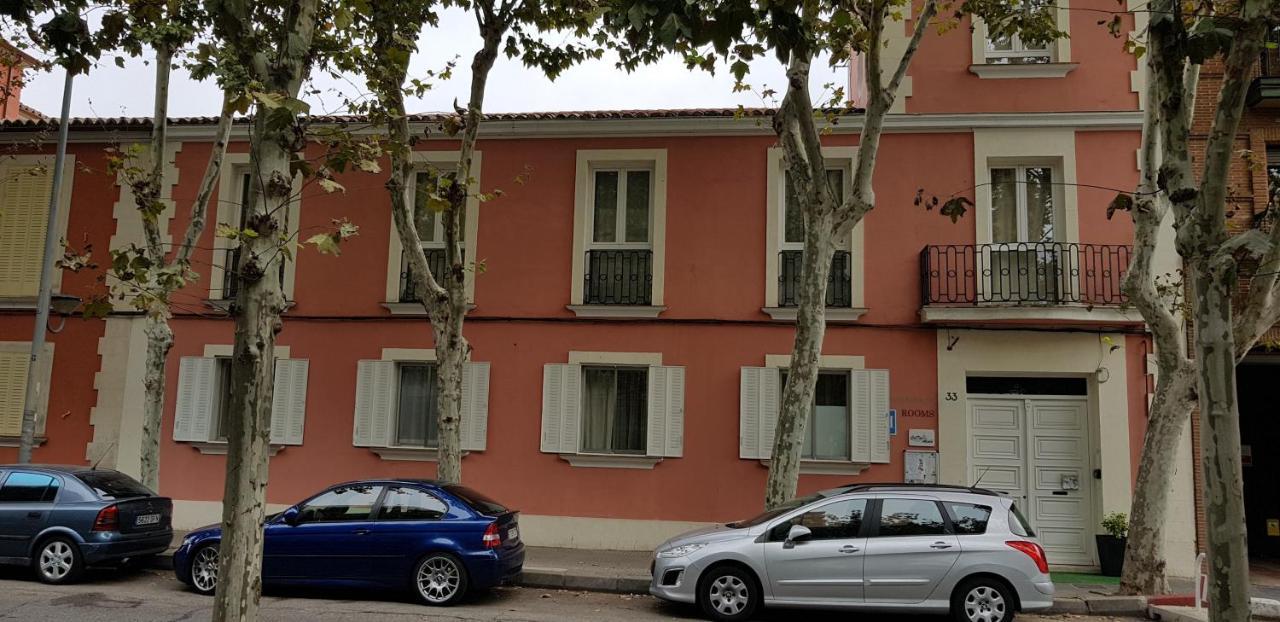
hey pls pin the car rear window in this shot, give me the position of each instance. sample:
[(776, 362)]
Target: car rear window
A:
[(1018, 523), (968, 519), (113, 485), (478, 501)]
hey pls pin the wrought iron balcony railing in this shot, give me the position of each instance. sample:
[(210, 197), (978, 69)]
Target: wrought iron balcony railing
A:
[(1044, 273), (618, 277), (839, 285), (437, 260)]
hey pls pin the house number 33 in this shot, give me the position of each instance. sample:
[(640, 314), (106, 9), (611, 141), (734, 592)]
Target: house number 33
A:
[(951, 396)]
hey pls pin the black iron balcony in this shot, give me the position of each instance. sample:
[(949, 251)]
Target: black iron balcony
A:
[(1264, 91), (231, 274), (839, 285), (437, 260), (618, 277), (1045, 273)]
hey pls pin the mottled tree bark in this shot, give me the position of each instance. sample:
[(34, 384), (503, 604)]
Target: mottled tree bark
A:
[(259, 299), (825, 221)]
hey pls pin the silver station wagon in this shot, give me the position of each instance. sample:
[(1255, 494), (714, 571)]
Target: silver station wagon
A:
[(873, 547)]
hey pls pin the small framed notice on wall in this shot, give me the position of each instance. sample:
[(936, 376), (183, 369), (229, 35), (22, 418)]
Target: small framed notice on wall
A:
[(921, 467), (920, 438)]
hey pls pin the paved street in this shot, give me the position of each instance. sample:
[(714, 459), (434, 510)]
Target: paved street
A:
[(148, 596)]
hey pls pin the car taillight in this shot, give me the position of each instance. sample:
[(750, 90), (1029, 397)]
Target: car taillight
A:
[(491, 538), (1034, 551), (108, 519)]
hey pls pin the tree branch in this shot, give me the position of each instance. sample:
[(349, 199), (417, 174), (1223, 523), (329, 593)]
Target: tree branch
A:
[(200, 207)]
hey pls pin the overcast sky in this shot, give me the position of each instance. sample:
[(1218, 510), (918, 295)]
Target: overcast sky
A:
[(112, 91)]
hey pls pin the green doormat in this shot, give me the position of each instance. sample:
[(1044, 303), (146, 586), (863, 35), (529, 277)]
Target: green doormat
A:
[(1077, 578)]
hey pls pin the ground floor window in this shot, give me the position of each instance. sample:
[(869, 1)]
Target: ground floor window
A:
[(417, 424), (614, 409), (827, 431)]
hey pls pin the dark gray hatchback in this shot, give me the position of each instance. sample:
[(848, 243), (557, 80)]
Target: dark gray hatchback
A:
[(60, 519)]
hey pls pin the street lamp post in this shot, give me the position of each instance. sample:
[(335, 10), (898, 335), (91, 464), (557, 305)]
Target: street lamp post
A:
[(36, 362)]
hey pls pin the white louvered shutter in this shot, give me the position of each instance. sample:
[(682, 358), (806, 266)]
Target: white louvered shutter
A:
[(13, 391), (24, 200), (193, 416), (757, 412), (475, 406), (289, 402), (561, 407), (880, 415), (374, 384), (869, 432), (666, 412)]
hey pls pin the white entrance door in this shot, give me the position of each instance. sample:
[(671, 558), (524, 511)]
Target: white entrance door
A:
[(1036, 449)]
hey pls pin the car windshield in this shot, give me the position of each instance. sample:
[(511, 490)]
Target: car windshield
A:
[(769, 515), (113, 485), (477, 501)]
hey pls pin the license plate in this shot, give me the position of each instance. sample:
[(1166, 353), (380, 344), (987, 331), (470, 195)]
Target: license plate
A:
[(147, 519), (513, 533)]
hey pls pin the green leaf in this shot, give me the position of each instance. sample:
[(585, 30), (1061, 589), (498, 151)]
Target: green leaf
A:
[(224, 230), (325, 244), (330, 185)]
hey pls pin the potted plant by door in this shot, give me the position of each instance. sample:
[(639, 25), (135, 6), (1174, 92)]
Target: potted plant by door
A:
[(1111, 544)]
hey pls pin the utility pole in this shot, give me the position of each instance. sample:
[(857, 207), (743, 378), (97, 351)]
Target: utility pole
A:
[(36, 362)]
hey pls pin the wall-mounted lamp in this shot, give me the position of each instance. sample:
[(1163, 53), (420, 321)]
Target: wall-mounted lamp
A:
[(64, 305)]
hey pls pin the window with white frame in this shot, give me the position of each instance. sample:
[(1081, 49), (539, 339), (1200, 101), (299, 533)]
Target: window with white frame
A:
[(849, 420), (619, 260), (430, 187), (613, 409), (240, 212), (202, 412), (1012, 50), (791, 248), (397, 402), (1024, 263), (619, 233)]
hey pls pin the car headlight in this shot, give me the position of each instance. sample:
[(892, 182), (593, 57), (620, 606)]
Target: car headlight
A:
[(680, 551)]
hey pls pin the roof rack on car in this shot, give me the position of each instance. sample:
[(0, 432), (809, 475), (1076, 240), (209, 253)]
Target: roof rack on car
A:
[(918, 487)]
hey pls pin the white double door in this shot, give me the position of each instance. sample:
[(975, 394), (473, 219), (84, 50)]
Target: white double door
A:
[(1036, 449)]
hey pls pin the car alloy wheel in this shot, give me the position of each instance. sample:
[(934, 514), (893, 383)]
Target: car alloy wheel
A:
[(984, 603), (57, 561), (729, 595), (204, 570), (440, 580)]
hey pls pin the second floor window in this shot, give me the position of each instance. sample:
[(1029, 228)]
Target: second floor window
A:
[(430, 225), (416, 420), (619, 265), (1024, 263), (614, 409), (791, 250), (1012, 50), (233, 258)]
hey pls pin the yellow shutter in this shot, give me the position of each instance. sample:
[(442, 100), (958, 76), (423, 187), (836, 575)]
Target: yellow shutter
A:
[(24, 215), (13, 390)]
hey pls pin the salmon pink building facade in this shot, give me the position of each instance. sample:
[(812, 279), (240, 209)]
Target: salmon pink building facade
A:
[(635, 310)]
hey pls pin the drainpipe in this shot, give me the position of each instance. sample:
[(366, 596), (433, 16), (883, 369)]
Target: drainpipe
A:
[(36, 362)]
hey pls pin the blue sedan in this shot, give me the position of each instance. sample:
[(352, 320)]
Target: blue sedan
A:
[(440, 540), (60, 519)]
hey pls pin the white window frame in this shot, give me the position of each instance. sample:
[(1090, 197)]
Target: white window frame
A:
[(1020, 175), (394, 432), (227, 210), (393, 452), (215, 445), (20, 162), (1003, 148), (587, 162), (582, 423), (1059, 52), (775, 218), (1017, 50), (671, 439), (442, 161), (620, 214), (756, 442), (44, 377)]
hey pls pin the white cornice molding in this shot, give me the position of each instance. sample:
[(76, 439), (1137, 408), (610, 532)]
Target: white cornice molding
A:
[(703, 126)]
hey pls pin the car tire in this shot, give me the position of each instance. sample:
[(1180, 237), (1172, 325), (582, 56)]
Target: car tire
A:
[(440, 579), (729, 594), (983, 599), (204, 569), (58, 561)]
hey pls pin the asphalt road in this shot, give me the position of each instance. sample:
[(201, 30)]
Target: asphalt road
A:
[(152, 596)]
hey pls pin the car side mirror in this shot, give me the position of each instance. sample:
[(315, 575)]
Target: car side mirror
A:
[(290, 517), (798, 533)]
